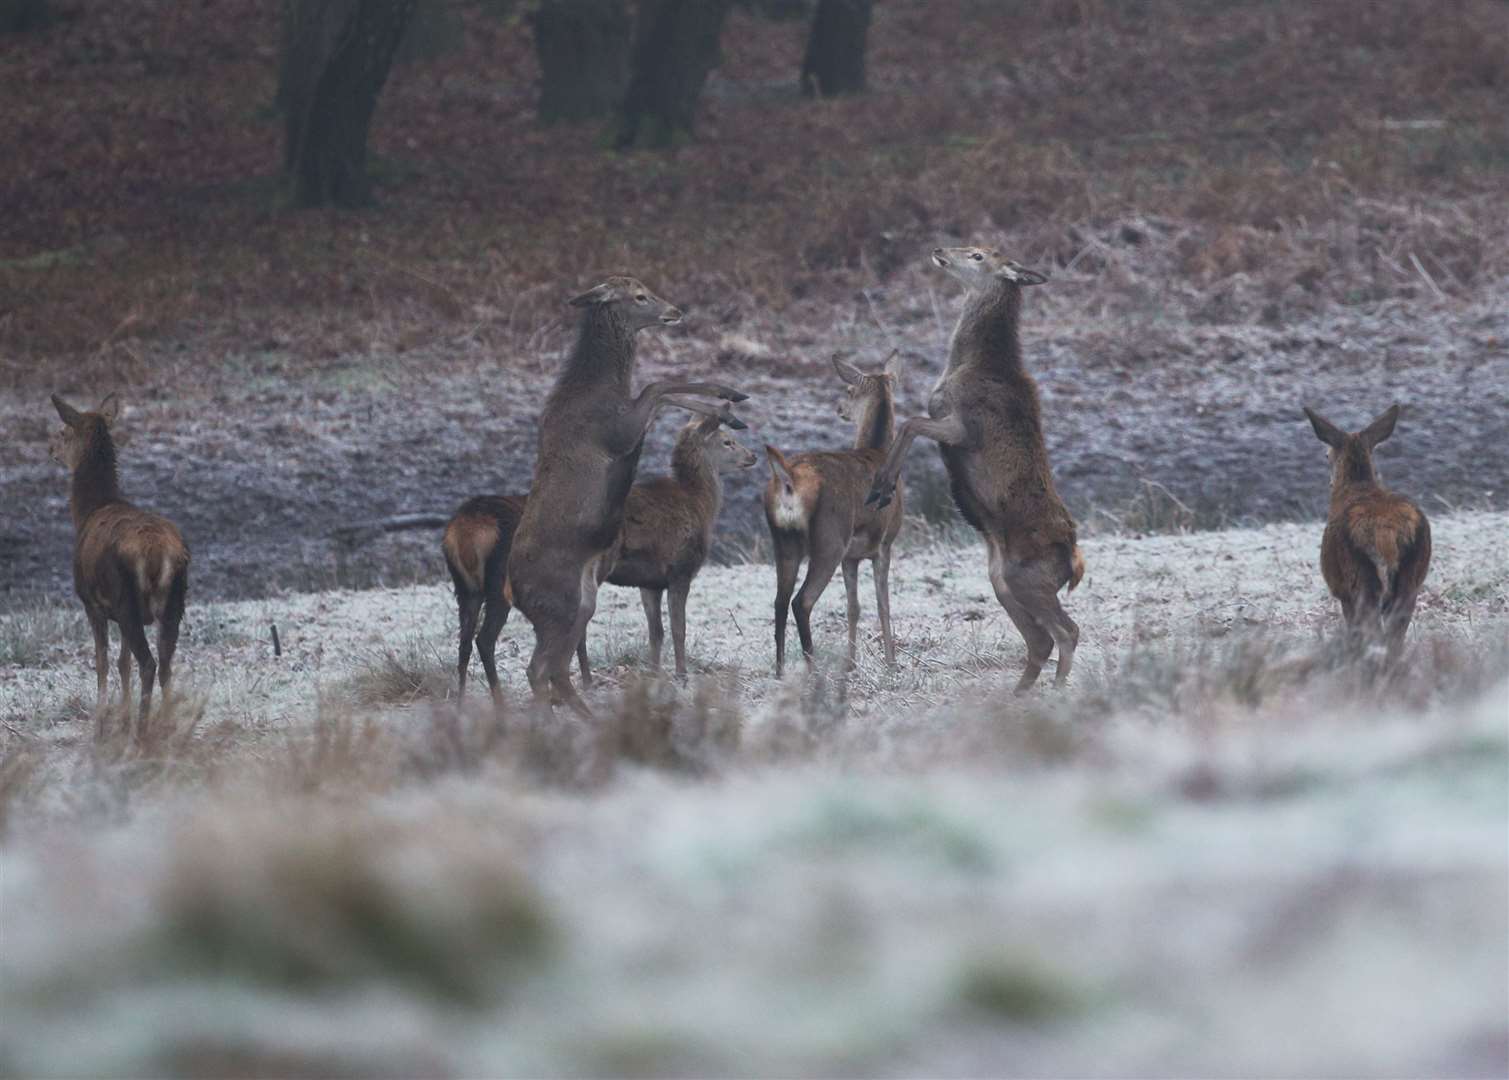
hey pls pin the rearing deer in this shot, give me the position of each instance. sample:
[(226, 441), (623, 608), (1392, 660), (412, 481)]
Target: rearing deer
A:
[(130, 567), (592, 430), (985, 418), (814, 505), (1376, 547)]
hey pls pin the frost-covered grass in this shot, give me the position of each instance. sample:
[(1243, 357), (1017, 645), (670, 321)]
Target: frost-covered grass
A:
[(1221, 851)]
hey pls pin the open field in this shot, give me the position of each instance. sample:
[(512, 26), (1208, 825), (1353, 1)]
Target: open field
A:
[(1219, 851), (1224, 849)]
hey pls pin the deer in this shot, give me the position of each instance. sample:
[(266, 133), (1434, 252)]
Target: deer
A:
[(1375, 550), (591, 434), (985, 417), (668, 522), (476, 543), (815, 507), (130, 566), (668, 528)]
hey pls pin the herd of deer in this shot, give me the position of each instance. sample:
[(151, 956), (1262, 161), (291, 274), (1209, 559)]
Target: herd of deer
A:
[(585, 521)]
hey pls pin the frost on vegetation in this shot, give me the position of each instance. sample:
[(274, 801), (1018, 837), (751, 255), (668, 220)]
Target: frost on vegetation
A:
[(1223, 828)]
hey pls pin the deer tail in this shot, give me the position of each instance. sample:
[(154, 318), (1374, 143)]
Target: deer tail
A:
[(1076, 567), (780, 469)]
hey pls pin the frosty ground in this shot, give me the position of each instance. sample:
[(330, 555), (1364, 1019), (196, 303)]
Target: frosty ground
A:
[(1220, 851)]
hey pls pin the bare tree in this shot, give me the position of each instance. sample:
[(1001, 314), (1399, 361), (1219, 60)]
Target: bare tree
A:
[(21, 16), (328, 87), (675, 46), (583, 47), (835, 60)]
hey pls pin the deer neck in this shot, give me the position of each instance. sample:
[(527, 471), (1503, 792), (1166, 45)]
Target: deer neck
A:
[(877, 423), (96, 481), (692, 470), (986, 335), (1352, 472), (604, 351)]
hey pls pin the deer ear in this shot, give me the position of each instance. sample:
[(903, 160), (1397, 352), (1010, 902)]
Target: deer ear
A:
[(1326, 431), (110, 408), (1380, 428), (599, 294), (71, 416), (893, 365), (1022, 275), (847, 371)]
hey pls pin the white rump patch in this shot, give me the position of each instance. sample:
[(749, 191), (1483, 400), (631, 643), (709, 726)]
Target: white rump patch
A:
[(788, 510)]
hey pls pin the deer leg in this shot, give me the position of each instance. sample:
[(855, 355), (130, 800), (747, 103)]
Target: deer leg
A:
[(702, 408), (851, 591), (1397, 625), (167, 637), (494, 616), (468, 606), (123, 666), (101, 631), (637, 416), (950, 431), (881, 569), (679, 590), (560, 656), (134, 635), (551, 603), (1039, 641), (583, 664), (788, 562), (650, 598), (820, 568), (1045, 608)]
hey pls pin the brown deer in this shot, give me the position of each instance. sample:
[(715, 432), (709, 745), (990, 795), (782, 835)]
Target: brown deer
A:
[(476, 543), (1376, 547), (591, 434), (815, 506), (130, 567), (984, 415), (668, 528)]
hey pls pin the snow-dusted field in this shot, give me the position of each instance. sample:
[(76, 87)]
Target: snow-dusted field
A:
[(1217, 852)]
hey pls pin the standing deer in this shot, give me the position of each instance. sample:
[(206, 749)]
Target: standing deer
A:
[(668, 528), (668, 522), (815, 506), (1376, 547), (984, 415), (476, 544), (130, 567), (591, 434)]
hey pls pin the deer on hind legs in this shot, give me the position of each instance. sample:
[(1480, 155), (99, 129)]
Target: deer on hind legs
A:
[(592, 432), (984, 415)]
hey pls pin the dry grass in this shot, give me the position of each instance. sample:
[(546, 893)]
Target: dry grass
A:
[(1339, 153), (402, 673), (36, 636)]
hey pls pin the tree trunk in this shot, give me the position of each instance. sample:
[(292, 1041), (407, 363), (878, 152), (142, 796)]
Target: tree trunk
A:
[(675, 46), (835, 60), (330, 95), (583, 46), (21, 16), (310, 30)]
